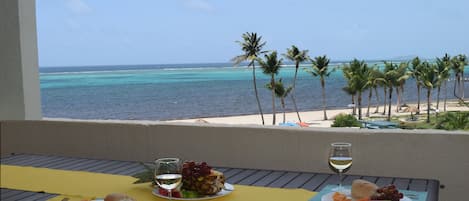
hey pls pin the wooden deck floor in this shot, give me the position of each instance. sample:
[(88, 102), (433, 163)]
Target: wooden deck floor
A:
[(268, 178)]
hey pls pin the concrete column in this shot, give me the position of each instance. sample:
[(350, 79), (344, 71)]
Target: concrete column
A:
[(19, 77)]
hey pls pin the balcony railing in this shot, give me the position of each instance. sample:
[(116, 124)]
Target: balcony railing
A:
[(430, 154)]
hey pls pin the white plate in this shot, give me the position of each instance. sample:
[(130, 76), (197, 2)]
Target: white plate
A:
[(328, 197), (227, 190)]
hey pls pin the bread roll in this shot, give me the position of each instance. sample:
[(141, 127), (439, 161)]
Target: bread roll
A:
[(363, 189), (118, 197)]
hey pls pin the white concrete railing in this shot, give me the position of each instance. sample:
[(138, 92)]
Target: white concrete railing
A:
[(430, 154)]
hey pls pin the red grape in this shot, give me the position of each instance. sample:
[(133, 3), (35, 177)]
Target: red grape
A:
[(389, 192)]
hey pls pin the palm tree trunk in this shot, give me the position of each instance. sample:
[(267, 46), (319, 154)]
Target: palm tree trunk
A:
[(428, 104), (446, 95), (389, 107), (272, 84), (359, 101), (293, 96), (461, 88), (255, 91), (369, 102), (438, 98), (398, 101), (456, 80), (418, 98), (385, 99), (282, 100), (323, 85), (377, 100), (402, 96), (354, 112)]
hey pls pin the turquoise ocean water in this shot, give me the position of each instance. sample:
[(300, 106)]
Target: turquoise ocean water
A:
[(162, 92)]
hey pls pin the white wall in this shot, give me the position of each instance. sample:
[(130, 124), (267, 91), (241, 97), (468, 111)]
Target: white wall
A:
[(19, 81), (426, 154)]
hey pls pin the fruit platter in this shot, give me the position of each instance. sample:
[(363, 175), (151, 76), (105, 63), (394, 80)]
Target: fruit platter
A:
[(366, 191), (199, 182)]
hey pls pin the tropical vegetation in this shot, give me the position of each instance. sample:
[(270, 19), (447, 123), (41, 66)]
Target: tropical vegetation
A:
[(453, 121), (252, 46), (391, 77), (403, 75), (357, 74), (320, 68), (375, 80), (346, 120), (429, 80), (443, 73), (298, 56), (271, 66), (281, 92), (415, 70)]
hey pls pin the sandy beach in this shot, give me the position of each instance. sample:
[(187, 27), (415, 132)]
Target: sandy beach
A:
[(313, 118)]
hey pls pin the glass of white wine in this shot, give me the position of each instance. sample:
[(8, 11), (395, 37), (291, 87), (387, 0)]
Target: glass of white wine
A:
[(340, 158), (168, 173)]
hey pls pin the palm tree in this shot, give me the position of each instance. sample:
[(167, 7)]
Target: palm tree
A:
[(252, 47), (372, 82), (429, 79), (391, 76), (464, 62), (447, 60), (320, 69), (385, 92), (403, 75), (271, 66), (458, 64), (379, 76), (415, 72), (350, 88), (442, 69), (282, 92), (297, 56), (357, 73)]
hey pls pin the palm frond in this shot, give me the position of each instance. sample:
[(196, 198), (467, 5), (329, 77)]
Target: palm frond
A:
[(270, 64), (238, 59)]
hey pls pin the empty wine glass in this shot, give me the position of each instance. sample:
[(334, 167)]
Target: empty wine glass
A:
[(340, 158), (168, 173)]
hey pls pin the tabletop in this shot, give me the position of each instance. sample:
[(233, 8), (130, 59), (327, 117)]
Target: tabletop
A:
[(253, 177)]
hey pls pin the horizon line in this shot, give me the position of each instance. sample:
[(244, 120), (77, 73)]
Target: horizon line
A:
[(186, 63)]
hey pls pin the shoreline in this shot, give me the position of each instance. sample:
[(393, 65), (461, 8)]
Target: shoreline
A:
[(314, 118)]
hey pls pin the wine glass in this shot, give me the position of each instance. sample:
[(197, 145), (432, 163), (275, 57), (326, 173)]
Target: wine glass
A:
[(168, 173), (340, 158)]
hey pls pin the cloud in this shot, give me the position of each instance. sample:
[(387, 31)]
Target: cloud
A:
[(78, 6), (200, 5)]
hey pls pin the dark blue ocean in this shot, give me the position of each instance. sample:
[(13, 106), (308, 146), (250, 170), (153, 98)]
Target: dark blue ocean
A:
[(176, 91)]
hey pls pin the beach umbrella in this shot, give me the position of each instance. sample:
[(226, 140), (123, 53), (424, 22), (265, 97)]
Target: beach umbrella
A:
[(412, 110)]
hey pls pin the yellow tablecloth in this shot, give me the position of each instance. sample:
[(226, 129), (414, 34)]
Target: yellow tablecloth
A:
[(78, 185)]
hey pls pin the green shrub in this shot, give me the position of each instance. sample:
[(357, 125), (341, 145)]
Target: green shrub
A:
[(453, 121), (346, 120)]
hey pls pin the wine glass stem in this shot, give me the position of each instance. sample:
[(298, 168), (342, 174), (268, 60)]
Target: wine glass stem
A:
[(340, 180)]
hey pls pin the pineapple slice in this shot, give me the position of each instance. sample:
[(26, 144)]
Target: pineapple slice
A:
[(205, 185)]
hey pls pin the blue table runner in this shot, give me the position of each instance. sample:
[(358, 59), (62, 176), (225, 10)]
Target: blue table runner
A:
[(413, 195)]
